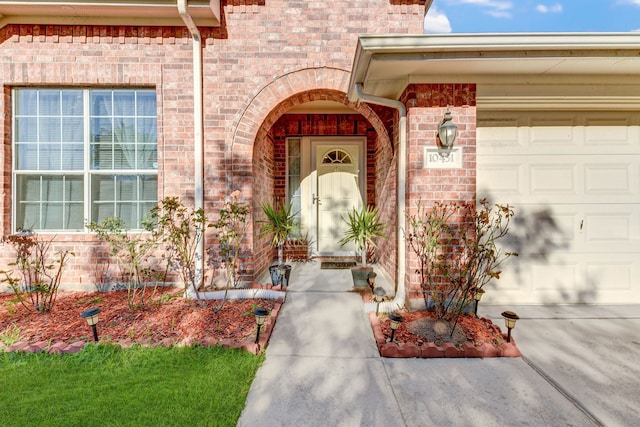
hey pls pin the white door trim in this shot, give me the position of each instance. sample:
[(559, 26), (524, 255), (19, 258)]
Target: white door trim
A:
[(309, 187)]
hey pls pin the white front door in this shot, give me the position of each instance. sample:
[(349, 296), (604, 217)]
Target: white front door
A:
[(337, 189)]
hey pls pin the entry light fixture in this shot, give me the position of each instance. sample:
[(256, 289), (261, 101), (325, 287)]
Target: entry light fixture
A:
[(510, 319), (261, 316), (395, 320), (91, 316), (447, 134)]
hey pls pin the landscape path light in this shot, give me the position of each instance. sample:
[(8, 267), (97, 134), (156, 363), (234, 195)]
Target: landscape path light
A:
[(510, 319), (477, 297), (261, 315), (378, 295), (371, 279), (91, 316), (282, 270), (395, 319)]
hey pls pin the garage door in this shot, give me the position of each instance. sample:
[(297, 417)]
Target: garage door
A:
[(574, 179)]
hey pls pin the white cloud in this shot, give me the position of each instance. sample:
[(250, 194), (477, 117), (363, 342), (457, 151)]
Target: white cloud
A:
[(436, 22), (556, 8), (634, 2), (495, 8)]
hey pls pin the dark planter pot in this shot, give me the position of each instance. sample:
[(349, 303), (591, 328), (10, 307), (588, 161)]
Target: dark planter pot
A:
[(360, 275), (277, 278)]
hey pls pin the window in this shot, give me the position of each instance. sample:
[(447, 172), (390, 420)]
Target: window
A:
[(294, 178), (83, 154), (336, 157)]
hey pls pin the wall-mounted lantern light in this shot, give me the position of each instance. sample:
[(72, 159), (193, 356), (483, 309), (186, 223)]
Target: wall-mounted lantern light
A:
[(447, 133), (510, 319), (91, 316)]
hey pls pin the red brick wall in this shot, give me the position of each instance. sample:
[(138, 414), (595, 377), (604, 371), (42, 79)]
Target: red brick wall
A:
[(264, 54), (427, 104)]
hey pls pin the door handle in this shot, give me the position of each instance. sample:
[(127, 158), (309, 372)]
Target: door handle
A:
[(315, 199)]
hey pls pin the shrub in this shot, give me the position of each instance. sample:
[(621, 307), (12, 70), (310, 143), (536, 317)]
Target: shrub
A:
[(456, 247), (132, 251), (39, 272), (181, 229)]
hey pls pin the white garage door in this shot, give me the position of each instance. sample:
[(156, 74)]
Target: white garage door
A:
[(574, 179)]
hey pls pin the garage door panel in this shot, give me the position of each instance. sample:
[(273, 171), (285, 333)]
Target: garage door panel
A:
[(615, 134), (569, 278), (606, 178), (557, 229), (566, 179), (574, 181), (559, 179), (564, 133)]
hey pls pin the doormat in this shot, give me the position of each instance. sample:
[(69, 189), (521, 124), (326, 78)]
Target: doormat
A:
[(336, 265)]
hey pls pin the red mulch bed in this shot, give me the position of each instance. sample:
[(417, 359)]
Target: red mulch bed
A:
[(167, 319), (421, 335)]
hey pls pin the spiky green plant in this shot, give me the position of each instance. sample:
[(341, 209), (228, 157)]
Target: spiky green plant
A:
[(364, 226), (280, 223)]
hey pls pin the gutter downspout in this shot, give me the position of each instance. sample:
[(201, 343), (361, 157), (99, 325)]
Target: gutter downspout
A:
[(198, 126), (399, 300)]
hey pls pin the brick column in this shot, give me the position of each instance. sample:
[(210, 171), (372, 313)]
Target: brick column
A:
[(426, 184)]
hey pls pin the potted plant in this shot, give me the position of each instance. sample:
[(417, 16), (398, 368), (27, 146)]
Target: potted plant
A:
[(364, 226), (280, 222)]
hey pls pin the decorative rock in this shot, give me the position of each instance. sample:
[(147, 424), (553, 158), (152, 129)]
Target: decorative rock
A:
[(187, 342), (75, 347), (17, 346), (390, 349), (450, 350), (471, 351), (410, 350), (509, 349), (58, 348), (430, 350), (166, 342), (32, 348)]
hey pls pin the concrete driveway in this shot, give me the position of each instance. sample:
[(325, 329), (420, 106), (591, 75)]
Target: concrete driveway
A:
[(580, 367)]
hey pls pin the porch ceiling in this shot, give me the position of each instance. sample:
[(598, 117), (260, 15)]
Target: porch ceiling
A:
[(385, 65), (205, 13)]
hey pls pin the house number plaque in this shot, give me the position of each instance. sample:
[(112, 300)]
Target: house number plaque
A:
[(434, 160)]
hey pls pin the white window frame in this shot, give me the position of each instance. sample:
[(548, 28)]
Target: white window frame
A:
[(87, 172)]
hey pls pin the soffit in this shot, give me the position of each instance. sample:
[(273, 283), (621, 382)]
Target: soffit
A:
[(386, 65), (205, 13)]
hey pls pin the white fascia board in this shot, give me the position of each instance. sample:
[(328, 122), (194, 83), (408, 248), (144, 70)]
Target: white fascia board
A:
[(376, 44)]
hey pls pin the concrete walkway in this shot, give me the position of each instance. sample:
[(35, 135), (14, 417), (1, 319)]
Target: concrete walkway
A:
[(581, 367)]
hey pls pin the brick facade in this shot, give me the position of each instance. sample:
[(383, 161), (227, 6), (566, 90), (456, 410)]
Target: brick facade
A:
[(427, 104), (265, 58)]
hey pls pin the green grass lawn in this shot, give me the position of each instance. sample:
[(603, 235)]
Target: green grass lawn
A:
[(108, 386)]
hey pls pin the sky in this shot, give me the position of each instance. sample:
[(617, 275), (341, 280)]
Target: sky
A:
[(516, 16)]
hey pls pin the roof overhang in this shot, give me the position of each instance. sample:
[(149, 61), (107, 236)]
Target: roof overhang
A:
[(385, 65), (205, 13)]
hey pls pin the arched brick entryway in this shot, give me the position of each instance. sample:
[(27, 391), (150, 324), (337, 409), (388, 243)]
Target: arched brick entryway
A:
[(256, 146)]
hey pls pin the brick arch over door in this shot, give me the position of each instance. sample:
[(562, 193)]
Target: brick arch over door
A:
[(277, 98), (252, 149)]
